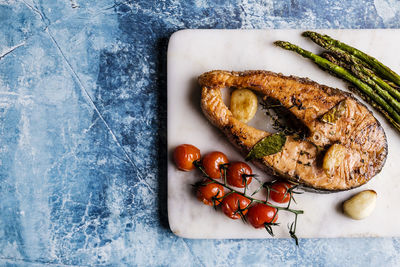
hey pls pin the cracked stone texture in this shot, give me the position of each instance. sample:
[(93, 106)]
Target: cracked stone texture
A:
[(83, 132)]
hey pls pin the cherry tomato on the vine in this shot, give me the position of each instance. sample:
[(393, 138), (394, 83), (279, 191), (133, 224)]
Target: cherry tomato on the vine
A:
[(236, 174), (260, 214), (185, 155), (212, 162), (279, 192), (210, 193), (235, 205)]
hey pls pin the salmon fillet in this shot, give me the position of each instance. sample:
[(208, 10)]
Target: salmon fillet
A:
[(357, 130)]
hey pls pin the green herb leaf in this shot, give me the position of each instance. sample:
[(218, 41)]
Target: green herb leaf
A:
[(334, 113), (267, 146)]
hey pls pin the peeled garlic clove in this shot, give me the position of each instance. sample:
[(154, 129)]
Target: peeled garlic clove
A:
[(333, 158), (360, 205), (243, 104)]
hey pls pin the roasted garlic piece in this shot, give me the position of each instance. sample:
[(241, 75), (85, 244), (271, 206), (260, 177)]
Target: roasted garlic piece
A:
[(243, 104), (333, 158), (360, 205)]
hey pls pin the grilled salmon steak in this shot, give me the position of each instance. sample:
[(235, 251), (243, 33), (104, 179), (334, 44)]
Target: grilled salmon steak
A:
[(342, 133)]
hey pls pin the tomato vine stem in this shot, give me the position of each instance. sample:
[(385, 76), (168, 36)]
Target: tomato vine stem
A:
[(223, 168), (225, 184), (257, 200)]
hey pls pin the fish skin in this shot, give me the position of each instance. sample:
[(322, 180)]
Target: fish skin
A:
[(300, 160)]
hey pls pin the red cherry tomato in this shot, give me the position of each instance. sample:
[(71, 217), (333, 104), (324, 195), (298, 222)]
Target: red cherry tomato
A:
[(212, 162), (184, 155), (236, 174), (260, 214), (279, 192), (210, 193), (232, 203)]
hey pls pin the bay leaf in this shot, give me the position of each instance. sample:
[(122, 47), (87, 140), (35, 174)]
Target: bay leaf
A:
[(267, 146), (332, 115)]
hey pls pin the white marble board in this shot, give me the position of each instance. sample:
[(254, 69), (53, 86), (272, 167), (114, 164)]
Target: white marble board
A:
[(192, 52)]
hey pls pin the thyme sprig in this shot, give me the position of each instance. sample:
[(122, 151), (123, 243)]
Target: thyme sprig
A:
[(281, 119), (266, 185)]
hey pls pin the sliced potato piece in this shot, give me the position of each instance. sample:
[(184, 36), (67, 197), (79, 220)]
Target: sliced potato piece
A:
[(333, 158), (243, 104), (360, 205)]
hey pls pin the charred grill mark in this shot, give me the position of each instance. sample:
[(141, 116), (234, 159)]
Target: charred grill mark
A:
[(296, 102), (237, 137), (255, 85), (303, 152), (308, 164)]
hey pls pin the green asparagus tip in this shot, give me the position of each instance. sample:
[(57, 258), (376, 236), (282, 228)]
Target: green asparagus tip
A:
[(315, 36), (311, 34), (283, 44), (307, 33)]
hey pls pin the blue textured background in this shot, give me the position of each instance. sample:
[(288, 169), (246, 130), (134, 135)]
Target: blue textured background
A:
[(83, 132)]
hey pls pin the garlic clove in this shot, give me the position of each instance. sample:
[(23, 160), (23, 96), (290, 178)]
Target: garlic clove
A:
[(244, 104), (333, 158), (360, 205)]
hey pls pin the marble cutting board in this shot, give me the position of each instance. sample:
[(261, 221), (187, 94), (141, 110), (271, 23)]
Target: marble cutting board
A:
[(192, 52)]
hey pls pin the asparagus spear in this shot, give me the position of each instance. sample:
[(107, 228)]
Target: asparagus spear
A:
[(392, 84), (331, 57), (327, 42), (360, 72), (343, 73), (360, 67)]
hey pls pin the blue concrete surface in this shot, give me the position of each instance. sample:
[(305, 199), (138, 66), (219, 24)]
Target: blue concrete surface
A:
[(83, 132)]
